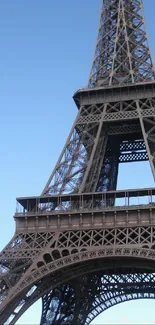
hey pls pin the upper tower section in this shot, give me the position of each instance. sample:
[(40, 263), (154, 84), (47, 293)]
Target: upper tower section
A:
[(122, 54)]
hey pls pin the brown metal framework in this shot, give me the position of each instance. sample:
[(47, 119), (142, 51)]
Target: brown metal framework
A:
[(82, 245)]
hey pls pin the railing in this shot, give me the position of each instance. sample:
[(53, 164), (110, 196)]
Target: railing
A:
[(119, 85), (126, 199)]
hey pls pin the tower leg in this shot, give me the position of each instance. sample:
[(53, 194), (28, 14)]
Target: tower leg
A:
[(79, 301), (70, 303)]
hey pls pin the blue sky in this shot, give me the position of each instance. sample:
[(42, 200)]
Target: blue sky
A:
[(46, 51)]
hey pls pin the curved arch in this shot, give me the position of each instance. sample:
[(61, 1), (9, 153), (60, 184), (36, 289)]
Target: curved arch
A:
[(71, 259), (105, 254), (102, 253), (103, 295), (113, 301), (84, 269)]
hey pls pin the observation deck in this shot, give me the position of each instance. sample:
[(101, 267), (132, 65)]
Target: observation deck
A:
[(107, 209)]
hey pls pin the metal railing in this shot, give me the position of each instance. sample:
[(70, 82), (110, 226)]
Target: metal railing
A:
[(55, 204)]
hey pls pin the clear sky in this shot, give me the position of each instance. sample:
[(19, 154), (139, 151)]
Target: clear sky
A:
[(46, 51)]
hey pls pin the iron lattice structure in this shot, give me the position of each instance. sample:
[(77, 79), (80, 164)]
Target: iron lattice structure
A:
[(83, 246)]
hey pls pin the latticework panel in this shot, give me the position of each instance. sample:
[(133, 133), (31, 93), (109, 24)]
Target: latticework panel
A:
[(122, 53), (103, 136), (62, 257), (18, 256), (68, 173), (81, 300)]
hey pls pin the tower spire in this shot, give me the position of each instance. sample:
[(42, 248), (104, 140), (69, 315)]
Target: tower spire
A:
[(122, 52), (90, 158)]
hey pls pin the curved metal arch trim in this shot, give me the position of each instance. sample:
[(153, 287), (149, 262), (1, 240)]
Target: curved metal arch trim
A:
[(120, 299), (99, 308), (88, 267), (37, 274)]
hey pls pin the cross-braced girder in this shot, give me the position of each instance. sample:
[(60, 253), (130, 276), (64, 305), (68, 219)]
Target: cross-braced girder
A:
[(59, 259), (122, 53), (93, 151), (82, 299)]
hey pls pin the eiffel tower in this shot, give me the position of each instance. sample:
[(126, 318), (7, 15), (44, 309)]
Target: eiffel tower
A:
[(83, 246)]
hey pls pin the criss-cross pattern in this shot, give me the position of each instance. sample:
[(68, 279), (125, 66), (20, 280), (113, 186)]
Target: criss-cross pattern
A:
[(82, 246), (122, 53)]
